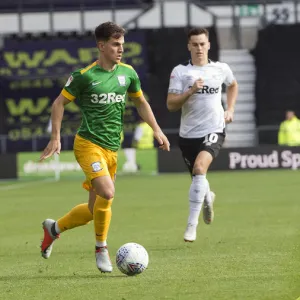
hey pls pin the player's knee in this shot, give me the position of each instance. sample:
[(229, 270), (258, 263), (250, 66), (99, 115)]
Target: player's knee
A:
[(200, 169), (108, 193), (104, 187)]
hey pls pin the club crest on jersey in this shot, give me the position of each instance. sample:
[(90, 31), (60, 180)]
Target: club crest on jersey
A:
[(122, 80), (69, 80), (96, 166)]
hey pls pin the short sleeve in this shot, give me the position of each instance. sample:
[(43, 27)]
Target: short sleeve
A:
[(229, 77), (175, 85), (134, 89), (72, 88)]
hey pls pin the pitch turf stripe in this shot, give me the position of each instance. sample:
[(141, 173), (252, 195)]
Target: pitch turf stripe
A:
[(17, 186)]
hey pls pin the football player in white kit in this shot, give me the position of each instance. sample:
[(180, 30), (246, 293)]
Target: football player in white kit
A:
[(195, 88)]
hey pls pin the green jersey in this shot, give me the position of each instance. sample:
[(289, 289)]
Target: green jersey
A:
[(101, 96)]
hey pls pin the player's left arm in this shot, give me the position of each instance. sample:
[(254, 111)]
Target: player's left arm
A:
[(147, 115), (231, 94), (136, 95)]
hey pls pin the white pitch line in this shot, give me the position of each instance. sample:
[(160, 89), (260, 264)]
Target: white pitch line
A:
[(20, 185)]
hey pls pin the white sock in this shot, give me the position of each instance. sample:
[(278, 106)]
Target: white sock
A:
[(197, 193), (101, 244), (208, 194), (57, 228), (130, 154)]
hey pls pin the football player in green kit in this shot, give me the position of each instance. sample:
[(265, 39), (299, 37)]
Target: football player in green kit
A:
[(100, 92)]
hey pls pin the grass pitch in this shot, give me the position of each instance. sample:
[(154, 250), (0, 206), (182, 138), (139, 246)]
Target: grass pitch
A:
[(251, 251)]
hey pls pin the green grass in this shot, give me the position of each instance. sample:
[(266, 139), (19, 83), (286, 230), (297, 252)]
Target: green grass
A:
[(251, 251)]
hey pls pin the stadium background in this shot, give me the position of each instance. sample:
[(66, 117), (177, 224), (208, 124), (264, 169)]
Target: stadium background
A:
[(35, 64), (253, 250)]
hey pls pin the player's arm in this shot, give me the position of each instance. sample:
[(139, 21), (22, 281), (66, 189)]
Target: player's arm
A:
[(136, 95), (231, 94), (176, 97), (57, 112), (147, 115), (68, 94)]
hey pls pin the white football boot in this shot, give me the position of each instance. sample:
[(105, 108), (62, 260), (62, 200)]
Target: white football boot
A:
[(190, 233), (103, 261), (49, 238), (208, 209)]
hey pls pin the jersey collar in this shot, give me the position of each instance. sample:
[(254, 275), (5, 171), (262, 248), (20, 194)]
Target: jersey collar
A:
[(190, 61)]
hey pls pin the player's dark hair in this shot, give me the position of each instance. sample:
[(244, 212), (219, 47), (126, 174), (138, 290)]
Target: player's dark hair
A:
[(106, 30), (198, 31)]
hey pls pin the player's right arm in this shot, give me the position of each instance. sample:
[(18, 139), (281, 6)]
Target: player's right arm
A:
[(68, 94), (176, 96), (57, 112)]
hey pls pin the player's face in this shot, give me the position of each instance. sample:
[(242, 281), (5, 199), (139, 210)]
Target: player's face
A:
[(198, 46), (112, 49)]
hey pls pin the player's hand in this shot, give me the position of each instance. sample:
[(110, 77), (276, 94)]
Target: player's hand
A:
[(198, 84), (163, 141), (228, 115), (53, 146)]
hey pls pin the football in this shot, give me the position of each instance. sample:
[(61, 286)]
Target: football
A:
[(132, 259)]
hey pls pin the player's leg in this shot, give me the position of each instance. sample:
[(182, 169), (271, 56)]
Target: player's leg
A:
[(208, 212), (190, 149), (104, 187), (213, 144), (210, 195), (77, 216), (95, 161), (91, 159), (198, 155), (209, 199), (197, 192)]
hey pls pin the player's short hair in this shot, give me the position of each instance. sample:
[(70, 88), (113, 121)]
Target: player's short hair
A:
[(197, 31), (106, 30)]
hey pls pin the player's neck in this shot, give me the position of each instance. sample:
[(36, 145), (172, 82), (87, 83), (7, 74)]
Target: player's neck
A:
[(106, 65), (199, 62)]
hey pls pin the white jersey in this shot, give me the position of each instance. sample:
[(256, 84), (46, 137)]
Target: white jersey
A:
[(202, 113)]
